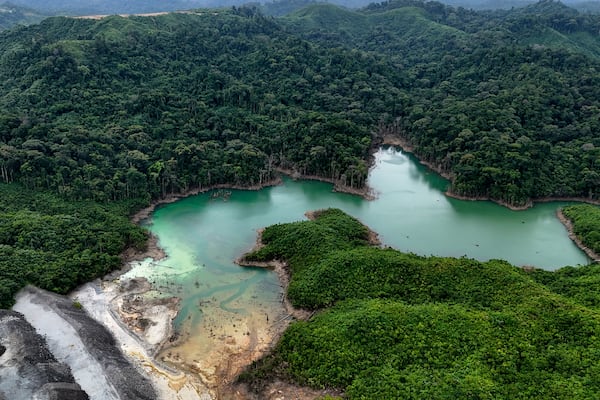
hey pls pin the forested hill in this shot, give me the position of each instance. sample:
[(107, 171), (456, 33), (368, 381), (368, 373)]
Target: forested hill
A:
[(11, 15), (506, 102), (137, 107)]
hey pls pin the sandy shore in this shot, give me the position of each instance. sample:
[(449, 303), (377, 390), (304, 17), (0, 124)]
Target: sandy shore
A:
[(153, 251), (567, 223), (222, 346)]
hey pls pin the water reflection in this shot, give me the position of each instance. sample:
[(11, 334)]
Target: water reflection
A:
[(413, 195)]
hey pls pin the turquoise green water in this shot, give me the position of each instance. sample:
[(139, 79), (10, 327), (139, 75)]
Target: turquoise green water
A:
[(202, 235)]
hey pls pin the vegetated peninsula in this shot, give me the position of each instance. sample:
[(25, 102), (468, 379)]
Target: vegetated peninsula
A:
[(393, 325)]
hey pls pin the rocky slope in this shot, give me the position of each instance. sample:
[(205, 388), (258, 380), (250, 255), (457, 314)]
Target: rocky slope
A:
[(79, 341), (28, 370)]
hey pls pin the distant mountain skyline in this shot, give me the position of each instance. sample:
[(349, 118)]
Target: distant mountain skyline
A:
[(11, 15), (508, 4), (86, 7), (78, 7)]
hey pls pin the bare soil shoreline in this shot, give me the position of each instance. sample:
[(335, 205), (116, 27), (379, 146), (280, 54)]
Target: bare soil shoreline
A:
[(365, 192), (569, 225), (145, 212)]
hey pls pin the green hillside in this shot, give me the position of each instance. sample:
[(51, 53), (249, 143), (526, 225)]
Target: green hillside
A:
[(140, 107), (403, 32), (505, 102), (11, 15), (396, 325)]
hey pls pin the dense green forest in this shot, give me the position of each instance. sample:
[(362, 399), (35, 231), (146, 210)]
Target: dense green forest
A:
[(586, 224), (141, 107), (121, 108), (395, 325), (11, 15), (506, 102), (57, 244)]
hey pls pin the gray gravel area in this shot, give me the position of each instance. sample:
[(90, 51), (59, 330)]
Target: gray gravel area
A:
[(76, 339), (28, 370)]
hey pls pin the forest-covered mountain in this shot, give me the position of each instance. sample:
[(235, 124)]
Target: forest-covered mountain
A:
[(505, 102), (140, 107), (11, 15), (580, 5)]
